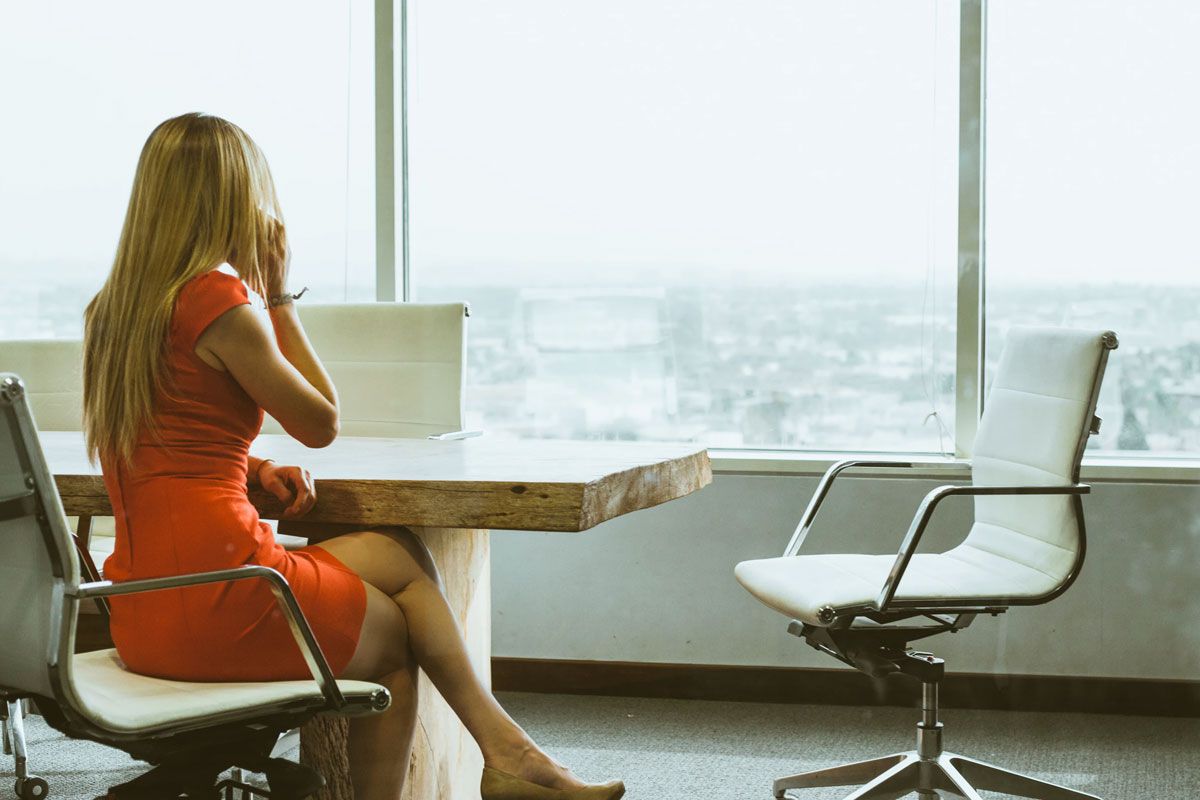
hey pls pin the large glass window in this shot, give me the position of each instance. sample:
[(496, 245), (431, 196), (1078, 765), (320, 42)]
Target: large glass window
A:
[(673, 221), (84, 83), (1093, 144), (686, 220)]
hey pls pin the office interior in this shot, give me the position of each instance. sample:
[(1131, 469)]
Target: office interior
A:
[(722, 250)]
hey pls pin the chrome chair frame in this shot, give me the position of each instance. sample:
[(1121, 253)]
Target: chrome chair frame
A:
[(301, 632), (15, 707), (885, 607), (880, 647)]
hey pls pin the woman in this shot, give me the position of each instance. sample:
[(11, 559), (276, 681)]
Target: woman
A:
[(177, 372)]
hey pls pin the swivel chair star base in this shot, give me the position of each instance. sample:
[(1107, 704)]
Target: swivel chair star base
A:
[(195, 773), (1026, 547), (927, 769)]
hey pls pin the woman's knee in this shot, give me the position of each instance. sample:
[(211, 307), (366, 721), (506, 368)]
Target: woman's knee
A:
[(415, 547), (385, 557)]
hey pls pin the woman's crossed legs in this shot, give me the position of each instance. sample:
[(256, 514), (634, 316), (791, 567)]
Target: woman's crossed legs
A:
[(409, 624)]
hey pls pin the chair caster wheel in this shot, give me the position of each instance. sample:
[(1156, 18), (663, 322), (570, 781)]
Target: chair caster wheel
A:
[(32, 788)]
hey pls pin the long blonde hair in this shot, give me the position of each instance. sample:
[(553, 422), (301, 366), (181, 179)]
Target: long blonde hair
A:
[(202, 196)]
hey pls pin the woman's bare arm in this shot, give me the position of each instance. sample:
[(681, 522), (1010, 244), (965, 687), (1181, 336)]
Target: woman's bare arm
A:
[(278, 368), (293, 343)]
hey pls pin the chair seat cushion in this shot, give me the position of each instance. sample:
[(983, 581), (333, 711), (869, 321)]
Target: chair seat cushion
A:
[(799, 586), (124, 702)]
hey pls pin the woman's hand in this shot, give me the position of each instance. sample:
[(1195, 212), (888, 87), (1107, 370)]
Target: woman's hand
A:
[(292, 485), (278, 258)]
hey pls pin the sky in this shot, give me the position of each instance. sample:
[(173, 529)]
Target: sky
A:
[(783, 140), (82, 84)]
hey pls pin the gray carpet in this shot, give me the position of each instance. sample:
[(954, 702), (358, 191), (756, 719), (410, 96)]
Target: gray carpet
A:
[(722, 751)]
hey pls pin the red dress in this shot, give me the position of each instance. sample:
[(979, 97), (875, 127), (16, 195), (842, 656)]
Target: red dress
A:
[(181, 506)]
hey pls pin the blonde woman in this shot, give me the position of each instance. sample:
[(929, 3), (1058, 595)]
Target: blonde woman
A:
[(177, 371)]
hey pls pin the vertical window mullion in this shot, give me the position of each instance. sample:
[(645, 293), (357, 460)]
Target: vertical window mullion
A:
[(385, 151), (969, 358), (405, 264)]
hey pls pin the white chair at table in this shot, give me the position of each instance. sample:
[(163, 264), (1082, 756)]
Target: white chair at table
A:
[(1026, 547), (52, 370), (399, 368)]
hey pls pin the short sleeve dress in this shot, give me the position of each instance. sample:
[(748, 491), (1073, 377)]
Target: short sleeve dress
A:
[(181, 506)]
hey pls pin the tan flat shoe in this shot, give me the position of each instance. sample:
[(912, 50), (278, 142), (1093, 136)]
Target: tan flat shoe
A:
[(497, 785)]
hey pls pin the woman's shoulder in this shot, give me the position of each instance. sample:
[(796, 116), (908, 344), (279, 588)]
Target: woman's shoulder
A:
[(203, 299), (215, 281)]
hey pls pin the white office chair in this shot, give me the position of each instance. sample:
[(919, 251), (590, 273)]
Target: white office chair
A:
[(1026, 547), (399, 368), (53, 371), (192, 731)]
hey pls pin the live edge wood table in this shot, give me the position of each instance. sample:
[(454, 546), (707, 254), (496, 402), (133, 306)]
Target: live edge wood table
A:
[(450, 493)]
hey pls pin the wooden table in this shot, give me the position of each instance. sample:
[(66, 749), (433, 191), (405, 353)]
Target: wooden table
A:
[(451, 494)]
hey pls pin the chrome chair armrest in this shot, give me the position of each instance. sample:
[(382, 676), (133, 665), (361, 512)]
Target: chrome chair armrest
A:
[(925, 511), (814, 505), (87, 566), (305, 640)]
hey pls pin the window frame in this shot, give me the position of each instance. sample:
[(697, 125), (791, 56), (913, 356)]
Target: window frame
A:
[(393, 269)]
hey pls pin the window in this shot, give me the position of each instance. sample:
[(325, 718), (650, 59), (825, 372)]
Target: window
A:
[(1093, 162), (85, 83), (673, 221), (678, 222)]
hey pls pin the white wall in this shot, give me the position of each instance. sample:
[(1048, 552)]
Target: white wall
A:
[(658, 585)]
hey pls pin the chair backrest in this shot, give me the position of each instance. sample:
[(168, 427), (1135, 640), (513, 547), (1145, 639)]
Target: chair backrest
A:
[(53, 373), (399, 368), (1036, 421), (38, 564)]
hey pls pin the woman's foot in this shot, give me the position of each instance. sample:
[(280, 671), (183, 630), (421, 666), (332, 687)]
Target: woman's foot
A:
[(497, 785), (527, 761)]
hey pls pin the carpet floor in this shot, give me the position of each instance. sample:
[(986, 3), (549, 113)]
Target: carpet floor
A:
[(727, 751)]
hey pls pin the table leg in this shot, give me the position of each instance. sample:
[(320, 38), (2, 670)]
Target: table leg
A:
[(446, 763)]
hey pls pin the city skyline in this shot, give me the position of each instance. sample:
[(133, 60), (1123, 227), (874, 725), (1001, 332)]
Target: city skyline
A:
[(828, 368)]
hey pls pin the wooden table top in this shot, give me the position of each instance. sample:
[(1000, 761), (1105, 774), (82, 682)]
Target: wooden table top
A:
[(470, 483)]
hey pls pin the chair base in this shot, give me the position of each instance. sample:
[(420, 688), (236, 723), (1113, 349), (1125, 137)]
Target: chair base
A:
[(896, 775), (927, 770), (286, 781)]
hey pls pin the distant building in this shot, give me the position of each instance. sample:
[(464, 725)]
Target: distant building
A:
[(600, 362)]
